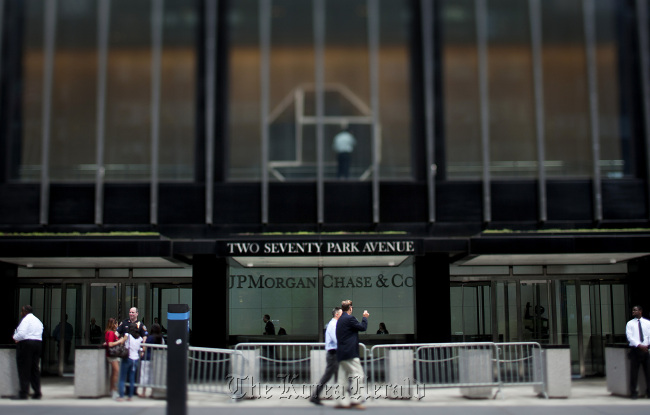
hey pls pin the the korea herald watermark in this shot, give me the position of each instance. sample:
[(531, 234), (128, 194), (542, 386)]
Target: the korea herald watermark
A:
[(287, 387)]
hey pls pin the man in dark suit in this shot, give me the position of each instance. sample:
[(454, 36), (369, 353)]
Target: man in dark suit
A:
[(269, 328), (347, 353)]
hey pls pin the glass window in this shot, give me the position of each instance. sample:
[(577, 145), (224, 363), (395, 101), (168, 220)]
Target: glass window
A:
[(510, 93), (460, 89), (128, 92), (74, 93), (386, 292), (128, 117), (511, 101), (566, 103), (27, 148), (178, 91), (292, 91), (617, 153), (288, 295), (512, 121)]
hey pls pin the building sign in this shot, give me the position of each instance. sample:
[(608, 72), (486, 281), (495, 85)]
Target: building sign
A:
[(288, 248), (329, 281)]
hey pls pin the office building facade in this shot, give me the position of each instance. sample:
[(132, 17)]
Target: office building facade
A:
[(492, 182)]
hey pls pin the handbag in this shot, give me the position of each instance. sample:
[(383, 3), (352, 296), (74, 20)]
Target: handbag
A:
[(118, 350)]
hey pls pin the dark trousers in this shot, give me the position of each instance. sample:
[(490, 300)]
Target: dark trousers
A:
[(330, 370), (639, 359), (343, 171), (28, 355)]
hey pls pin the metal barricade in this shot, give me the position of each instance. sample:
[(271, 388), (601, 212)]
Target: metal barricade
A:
[(213, 370), (284, 370), (520, 363), (405, 371), (153, 367), (209, 370)]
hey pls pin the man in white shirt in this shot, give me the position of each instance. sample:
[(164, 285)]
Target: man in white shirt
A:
[(343, 145), (29, 341), (638, 334), (330, 350)]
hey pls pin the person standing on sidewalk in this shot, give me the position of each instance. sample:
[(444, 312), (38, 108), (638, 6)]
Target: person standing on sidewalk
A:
[(124, 326), (130, 364), (347, 354), (638, 334), (330, 350), (29, 346)]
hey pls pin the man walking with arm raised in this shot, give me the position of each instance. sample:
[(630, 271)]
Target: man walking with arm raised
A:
[(347, 353)]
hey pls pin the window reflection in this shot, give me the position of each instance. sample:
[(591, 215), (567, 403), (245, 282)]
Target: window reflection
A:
[(292, 122), (511, 104), (73, 127)]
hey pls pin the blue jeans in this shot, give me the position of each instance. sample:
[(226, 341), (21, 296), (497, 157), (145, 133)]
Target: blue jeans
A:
[(129, 367)]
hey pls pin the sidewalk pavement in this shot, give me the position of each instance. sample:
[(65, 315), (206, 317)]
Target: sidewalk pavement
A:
[(587, 396)]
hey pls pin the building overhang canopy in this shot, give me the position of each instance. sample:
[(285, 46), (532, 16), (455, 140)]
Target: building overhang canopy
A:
[(555, 249), (321, 261), (550, 259)]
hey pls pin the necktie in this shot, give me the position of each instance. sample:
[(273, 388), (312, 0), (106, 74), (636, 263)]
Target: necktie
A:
[(640, 332)]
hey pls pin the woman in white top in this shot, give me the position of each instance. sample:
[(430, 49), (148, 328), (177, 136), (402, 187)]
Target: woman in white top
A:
[(130, 365)]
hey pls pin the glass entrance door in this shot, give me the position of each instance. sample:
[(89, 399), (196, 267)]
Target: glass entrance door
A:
[(103, 304), (164, 294), (593, 313), (61, 309), (535, 297), (66, 311), (584, 314), (471, 318)]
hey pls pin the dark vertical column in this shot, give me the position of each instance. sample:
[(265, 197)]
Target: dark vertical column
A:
[(8, 302), (178, 318), (209, 301), (432, 307), (638, 286)]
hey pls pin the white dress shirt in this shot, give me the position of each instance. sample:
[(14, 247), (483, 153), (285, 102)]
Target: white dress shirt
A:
[(632, 332), (30, 328), (330, 335), (344, 142)]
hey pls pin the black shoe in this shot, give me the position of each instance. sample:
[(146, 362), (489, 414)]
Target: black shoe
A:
[(37, 396), (315, 401), (634, 396), (18, 398)]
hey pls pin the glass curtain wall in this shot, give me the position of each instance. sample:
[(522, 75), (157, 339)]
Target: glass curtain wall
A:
[(292, 297), (65, 102), (585, 314), (28, 147), (489, 94), (288, 295), (288, 58), (386, 292)]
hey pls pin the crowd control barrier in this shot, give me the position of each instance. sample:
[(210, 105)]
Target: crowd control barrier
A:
[(209, 370), (521, 364), (403, 371), (285, 370)]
